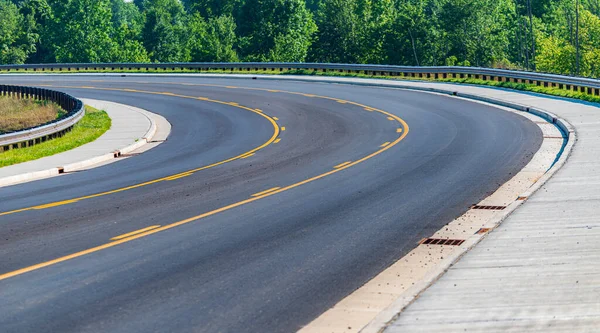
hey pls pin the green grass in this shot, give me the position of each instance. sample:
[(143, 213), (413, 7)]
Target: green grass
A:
[(509, 85), (88, 129)]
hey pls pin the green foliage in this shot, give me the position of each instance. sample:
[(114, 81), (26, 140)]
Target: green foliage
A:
[(275, 30), (165, 33), (516, 34), (17, 36)]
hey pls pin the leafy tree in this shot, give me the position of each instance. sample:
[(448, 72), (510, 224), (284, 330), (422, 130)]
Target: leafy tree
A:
[(276, 30), (340, 37), (82, 31), (165, 32), (17, 39), (212, 40), (213, 8)]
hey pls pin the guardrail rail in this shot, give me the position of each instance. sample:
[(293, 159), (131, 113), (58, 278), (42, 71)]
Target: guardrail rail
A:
[(48, 131), (584, 85)]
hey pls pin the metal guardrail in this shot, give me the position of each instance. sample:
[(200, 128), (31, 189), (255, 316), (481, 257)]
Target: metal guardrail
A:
[(54, 129), (587, 85)]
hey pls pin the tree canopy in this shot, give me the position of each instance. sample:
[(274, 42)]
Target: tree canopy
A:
[(561, 36)]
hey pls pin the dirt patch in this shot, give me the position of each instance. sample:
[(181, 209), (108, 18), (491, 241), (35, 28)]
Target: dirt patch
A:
[(17, 114)]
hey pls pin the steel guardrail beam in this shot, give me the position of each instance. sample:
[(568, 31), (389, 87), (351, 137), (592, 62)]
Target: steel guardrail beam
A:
[(56, 128), (588, 85)]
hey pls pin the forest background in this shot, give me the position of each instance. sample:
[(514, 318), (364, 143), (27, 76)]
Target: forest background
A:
[(557, 36)]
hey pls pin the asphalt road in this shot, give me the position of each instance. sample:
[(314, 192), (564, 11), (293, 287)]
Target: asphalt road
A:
[(234, 262)]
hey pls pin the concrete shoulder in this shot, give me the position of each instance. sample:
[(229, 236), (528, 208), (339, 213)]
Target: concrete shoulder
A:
[(133, 130)]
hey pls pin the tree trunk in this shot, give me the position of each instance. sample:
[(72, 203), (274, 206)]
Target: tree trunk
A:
[(532, 35), (578, 55)]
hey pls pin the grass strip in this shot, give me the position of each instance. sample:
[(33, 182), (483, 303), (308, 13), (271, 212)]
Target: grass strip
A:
[(93, 124)]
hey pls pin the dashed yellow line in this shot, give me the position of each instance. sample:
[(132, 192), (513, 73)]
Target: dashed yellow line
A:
[(186, 174), (283, 128), (342, 165), (265, 192), (129, 234), (385, 144), (246, 156), (277, 140), (56, 204)]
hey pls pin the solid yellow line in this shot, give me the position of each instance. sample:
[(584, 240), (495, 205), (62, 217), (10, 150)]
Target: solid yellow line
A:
[(59, 203), (135, 232), (265, 191), (385, 144), (342, 165)]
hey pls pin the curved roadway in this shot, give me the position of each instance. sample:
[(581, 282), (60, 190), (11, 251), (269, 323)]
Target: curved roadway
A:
[(226, 257)]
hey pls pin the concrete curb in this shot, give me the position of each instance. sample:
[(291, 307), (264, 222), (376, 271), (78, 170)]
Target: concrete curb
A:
[(30, 176)]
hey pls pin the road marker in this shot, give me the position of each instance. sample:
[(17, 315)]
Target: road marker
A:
[(342, 165), (129, 234), (265, 192)]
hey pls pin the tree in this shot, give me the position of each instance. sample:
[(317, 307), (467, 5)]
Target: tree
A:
[(341, 33), (212, 40), (275, 30), (165, 31), (17, 38), (213, 8)]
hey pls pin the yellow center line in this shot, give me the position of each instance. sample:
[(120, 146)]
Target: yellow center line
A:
[(135, 232), (257, 196), (265, 192), (342, 165), (59, 203)]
